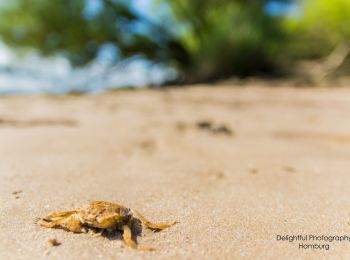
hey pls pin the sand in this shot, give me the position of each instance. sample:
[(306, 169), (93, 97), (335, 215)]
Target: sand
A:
[(284, 170)]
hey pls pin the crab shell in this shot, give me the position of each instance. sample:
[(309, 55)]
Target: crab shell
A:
[(105, 215)]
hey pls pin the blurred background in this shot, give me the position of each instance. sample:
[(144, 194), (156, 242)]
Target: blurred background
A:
[(63, 46)]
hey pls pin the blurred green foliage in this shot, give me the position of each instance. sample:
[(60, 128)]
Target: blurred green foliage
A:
[(321, 27), (61, 25), (203, 40), (225, 38)]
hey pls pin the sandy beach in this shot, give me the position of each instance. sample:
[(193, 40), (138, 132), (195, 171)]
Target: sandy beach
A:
[(236, 167)]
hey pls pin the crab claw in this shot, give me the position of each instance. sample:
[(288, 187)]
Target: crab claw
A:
[(159, 226), (127, 236)]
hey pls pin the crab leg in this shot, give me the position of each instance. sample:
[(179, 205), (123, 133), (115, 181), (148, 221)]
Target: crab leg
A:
[(68, 221), (53, 223), (74, 224), (59, 214), (151, 225), (127, 236)]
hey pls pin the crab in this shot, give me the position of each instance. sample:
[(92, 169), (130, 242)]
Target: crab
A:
[(104, 216)]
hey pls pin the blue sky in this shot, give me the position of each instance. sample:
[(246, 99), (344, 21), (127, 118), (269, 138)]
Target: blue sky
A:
[(142, 6), (280, 8), (145, 7)]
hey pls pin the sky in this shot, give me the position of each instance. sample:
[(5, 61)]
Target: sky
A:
[(280, 8)]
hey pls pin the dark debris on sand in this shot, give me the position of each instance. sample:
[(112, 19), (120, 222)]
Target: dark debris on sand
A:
[(214, 128)]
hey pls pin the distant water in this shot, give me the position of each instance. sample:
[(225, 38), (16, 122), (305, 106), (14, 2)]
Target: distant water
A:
[(36, 75), (93, 79)]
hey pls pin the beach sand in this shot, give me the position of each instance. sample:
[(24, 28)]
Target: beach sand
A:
[(236, 167)]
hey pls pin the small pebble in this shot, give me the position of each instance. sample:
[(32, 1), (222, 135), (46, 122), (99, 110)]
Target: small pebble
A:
[(289, 169), (253, 170), (53, 242)]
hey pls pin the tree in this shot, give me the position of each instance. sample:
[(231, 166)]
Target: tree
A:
[(321, 35), (225, 38), (322, 26), (204, 40), (62, 26)]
